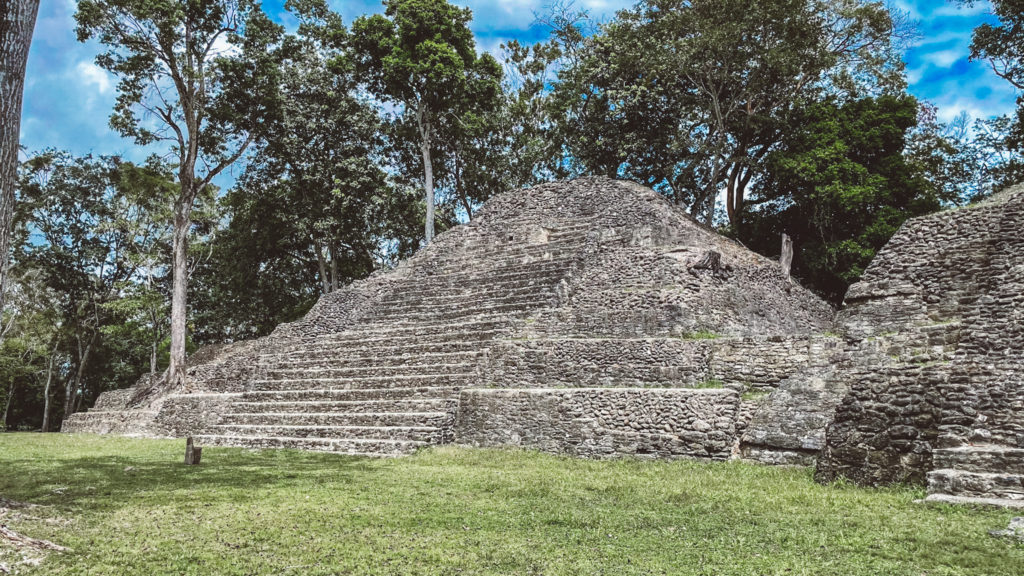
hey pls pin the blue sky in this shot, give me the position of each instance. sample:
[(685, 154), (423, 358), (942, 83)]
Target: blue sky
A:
[(68, 99)]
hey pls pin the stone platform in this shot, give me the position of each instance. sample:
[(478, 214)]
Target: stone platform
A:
[(590, 317)]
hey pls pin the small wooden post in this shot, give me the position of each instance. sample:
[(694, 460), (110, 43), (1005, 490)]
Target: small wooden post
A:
[(193, 453), (786, 259)]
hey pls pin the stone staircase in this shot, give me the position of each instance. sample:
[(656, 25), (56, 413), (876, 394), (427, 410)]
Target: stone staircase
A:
[(391, 384), (571, 317), (985, 474)]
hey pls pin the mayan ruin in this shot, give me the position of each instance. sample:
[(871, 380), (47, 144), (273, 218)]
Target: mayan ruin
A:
[(512, 287), (624, 328)]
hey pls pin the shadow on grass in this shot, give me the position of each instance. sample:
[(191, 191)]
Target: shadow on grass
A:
[(106, 482)]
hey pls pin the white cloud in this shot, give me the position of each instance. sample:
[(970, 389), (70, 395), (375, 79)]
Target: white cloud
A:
[(93, 75), (945, 58)]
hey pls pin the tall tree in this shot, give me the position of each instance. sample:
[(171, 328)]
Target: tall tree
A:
[(17, 21), (421, 55), (314, 208), (87, 221), (1001, 45), (841, 184), (199, 70), (689, 96)]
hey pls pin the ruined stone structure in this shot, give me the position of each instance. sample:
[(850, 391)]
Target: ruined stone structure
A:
[(589, 317), (937, 324), (594, 318)]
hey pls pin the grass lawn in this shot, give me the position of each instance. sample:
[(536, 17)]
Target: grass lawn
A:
[(127, 506)]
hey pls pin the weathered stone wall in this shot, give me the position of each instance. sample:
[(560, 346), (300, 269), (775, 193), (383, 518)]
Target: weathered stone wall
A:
[(937, 320), (602, 422), (589, 363)]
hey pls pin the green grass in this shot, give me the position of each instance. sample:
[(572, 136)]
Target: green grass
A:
[(461, 511)]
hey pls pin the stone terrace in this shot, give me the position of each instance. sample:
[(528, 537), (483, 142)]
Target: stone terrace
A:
[(582, 317)]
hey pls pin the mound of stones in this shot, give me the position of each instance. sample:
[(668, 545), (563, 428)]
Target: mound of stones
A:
[(589, 317), (937, 392)]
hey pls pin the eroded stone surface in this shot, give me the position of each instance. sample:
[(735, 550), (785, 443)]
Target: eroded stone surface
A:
[(938, 320), (658, 329)]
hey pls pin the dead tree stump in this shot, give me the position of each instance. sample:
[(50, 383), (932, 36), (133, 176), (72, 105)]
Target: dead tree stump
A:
[(786, 258), (712, 261), (193, 453)]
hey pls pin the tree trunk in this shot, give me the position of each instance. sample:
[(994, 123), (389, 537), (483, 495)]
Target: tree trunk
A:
[(786, 257), (72, 398), (179, 291), (152, 360), (334, 268), (428, 169), (46, 389), (69, 392), (7, 408), (17, 20), (325, 283)]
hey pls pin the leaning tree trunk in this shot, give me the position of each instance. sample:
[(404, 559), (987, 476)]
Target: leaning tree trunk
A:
[(46, 390), (428, 168), (17, 20), (179, 291)]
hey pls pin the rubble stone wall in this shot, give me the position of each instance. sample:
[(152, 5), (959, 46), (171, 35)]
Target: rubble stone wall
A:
[(937, 323), (602, 422)]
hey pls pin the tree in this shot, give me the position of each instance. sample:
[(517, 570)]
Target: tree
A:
[(690, 96), (88, 219), (314, 208), (17, 21), (1001, 44), (421, 55), (199, 69), (841, 185), (30, 355)]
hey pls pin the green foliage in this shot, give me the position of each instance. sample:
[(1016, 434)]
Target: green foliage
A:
[(136, 509), (840, 186), (689, 97), (1001, 45), (420, 55), (314, 208), (89, 289)]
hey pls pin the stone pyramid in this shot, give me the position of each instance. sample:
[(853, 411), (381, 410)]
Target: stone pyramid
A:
[(590, 317)]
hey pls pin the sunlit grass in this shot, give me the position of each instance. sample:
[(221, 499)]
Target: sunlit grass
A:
[(134, 508)]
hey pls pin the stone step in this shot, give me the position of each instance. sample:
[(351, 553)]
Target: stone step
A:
[(389, 419), (336, 395), (352, 446), (518, 274), (499, 250), (983, 458), (459, 294), (373, 351), (422, 302), (389, 342), (976, 484), (428, 434), (436, 328), (382, 371), (365, 382), (346, 406), (379, 360), (518, 308), (975, 501)]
